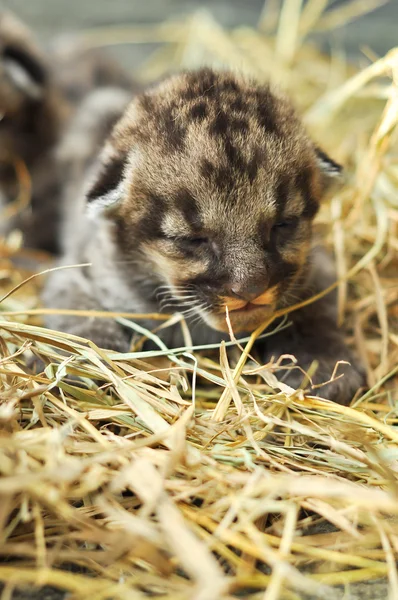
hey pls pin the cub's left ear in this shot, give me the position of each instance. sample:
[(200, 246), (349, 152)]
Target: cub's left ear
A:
[(328, 167)]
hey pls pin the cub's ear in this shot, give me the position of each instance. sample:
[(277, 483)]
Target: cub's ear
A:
[(25, 71), (106, 192), (329, 167), (23, 66)]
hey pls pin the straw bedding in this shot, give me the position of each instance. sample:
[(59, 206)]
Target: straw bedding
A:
[(191, 474)]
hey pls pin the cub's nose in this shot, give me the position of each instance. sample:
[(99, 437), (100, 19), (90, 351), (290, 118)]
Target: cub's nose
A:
[(248, 291)]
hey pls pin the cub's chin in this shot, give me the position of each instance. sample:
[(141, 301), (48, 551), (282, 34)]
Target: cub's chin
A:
[(245, 319)]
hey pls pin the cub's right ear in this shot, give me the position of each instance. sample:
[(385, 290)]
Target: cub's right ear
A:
[(106, 193), (25, 71), (22, 62)]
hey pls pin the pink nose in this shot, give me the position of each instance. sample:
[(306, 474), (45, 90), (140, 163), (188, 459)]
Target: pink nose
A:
[(248, 291)]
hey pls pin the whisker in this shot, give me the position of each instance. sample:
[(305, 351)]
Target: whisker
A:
[(177, 297), (176, 287), (173, 290), (190, 311), (199, 317), (196, 320), (186, 300), (191, 307), (174, 307)]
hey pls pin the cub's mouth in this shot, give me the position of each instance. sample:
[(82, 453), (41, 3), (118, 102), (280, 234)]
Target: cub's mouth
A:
[(244, 315), (247, 307)]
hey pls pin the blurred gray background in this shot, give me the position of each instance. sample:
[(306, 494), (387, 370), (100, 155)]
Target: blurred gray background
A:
[(377, 30)]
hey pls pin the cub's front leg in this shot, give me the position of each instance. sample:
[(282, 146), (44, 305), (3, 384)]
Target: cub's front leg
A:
[(315, 336), (70, 289)]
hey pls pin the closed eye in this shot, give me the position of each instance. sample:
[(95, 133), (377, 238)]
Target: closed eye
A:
[(290, 223), (191, 242), (196, 241)]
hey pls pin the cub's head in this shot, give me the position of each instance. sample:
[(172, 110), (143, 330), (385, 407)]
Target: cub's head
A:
[(214, 182)]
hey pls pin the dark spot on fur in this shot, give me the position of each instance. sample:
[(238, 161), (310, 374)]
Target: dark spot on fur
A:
[(224, 179), (188, 94), (147, 103), (238, 105), (172, 130), (229, 85), (134, 131), (311, 208), (282, 271), (121, 233), (254, 164), (264, 229), (108, 178), (266, 111), (176, 136), (222, 124), (206, 83), (282, 191), (304, 186), (303, 180), (150, 225), (200, 84), (239, 125), (198, 111), (164, 116), (234, 156), (219, 125), (207, 169), (188, 205), (128, 236), (266, 119), (231, 151)]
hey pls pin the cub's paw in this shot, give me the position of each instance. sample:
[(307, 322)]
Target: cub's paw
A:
[(105, 333), (347, 379)]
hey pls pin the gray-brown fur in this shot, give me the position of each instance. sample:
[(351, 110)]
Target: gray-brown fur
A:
[(204, 193), (32, 112), (38, 102)]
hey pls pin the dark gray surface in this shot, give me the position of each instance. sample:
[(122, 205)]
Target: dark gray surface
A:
[(43, 593), (374, 590), (379, 30)]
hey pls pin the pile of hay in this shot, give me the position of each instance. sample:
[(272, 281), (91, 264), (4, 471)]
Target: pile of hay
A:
[(176, 475)]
